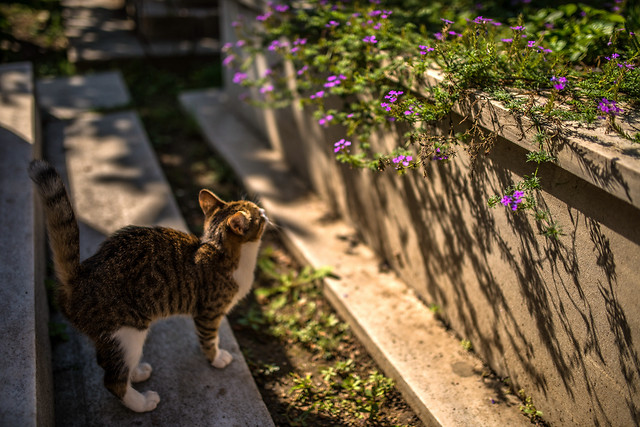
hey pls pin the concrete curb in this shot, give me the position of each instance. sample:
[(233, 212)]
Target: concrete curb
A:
[(444, 384), (26, 397)]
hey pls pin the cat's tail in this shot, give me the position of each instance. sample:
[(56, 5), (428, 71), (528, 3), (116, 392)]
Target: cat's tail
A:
[(62, 226)]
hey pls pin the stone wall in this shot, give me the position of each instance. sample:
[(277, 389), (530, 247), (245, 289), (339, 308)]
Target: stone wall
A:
[(560, 318)]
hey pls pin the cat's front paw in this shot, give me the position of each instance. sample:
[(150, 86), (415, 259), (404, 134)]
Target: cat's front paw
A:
[(142, 372), (151, 400), (223, 358)]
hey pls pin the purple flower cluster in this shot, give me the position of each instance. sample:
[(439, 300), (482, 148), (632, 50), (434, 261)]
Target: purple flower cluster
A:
[(324, 121), (370, 39), (425, 49), (302, 70), (513, 201), (392, 97), (275, 45), (402, 160), (440, 155), (228, 60), (609, 107), (332, 24), (626, 65), (239, 77), (559, 82), (482, 20), (341, 145), (266, 88), (333, 81), (297, 43), (319, 94), (410, 112)]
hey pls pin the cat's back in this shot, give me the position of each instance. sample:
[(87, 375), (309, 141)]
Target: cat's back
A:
[(136, 276)]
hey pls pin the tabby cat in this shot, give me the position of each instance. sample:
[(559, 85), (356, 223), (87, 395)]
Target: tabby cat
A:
[(141, 274)]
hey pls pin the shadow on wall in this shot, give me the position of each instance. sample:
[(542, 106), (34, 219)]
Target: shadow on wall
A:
[(557, 317)]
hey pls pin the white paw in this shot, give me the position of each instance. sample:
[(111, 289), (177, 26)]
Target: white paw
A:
[(223, 358), (142, 372), (137, 402), (151, 400)]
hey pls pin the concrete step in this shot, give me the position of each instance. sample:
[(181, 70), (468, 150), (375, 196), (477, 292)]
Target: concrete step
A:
[(115, 180), (443, 383), (165, 19), (25, 377), (100, 30)]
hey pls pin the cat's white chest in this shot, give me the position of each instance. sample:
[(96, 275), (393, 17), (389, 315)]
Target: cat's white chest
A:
[(245, 273)]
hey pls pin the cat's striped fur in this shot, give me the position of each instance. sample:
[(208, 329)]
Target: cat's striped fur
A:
[(141, 274)]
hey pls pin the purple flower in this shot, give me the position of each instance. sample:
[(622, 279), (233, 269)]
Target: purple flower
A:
[(513, 201), (609, 107), (266, 88), (446, 21), (559, 82), (613, 56), (341, 145), (370, 39), (318, 94), (518, 28), (425, 49), (325, 120), (439, 155), (282, 7), (332, 24), (402, 160), (228, 60), (239, 77), (531, 43), (263, 17), (274, 45), (507, 40), (302, 70)]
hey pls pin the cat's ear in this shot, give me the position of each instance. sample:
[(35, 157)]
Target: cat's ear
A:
[(209, 202), (238, 223)]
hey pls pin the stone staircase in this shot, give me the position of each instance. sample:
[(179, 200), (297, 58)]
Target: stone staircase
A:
[(114, 179)]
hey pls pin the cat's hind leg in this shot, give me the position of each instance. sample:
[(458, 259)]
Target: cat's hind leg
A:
[(120, 359)]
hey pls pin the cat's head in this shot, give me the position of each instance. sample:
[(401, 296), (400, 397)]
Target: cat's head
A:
[(243, 219)]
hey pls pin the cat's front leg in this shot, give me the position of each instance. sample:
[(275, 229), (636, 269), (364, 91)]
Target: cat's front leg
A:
[(207, 326)]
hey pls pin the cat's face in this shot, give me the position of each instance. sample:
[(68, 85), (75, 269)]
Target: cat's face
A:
[(242, 218)]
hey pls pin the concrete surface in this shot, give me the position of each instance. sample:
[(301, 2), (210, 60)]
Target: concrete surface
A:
[(99, 30), (25, 378), (115, 180), (443, 383), (66, 97)]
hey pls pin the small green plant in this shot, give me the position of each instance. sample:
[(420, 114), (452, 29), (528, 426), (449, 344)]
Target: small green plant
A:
[(339, 390), (529, 409), (466, 345)]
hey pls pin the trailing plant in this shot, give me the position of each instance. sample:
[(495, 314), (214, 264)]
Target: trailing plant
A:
[(379, 60)]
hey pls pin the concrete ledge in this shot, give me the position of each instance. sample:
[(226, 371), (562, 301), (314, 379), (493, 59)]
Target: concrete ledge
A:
[(66, 97), (25, 378), (443, 383)]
